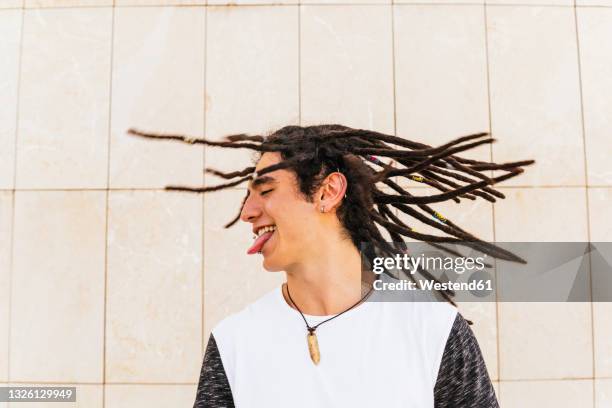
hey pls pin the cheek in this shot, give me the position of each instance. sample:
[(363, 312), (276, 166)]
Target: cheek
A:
[(296, 229), (291, 219)]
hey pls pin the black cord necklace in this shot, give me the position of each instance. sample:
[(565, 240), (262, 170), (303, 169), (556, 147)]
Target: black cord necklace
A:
[(313, 344)]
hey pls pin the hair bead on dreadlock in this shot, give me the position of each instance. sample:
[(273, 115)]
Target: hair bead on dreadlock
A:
[(313, 152)]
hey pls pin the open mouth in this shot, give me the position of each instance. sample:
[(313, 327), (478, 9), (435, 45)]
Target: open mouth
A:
[(263, 235)]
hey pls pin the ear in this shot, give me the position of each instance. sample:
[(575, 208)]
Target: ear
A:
[(332, 191)]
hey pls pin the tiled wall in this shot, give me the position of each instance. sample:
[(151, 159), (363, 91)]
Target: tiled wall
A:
[(111, 283)]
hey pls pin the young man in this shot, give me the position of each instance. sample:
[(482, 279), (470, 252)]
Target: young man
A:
[(315, 341)]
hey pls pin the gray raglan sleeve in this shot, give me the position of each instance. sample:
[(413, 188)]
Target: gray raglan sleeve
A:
[(213, 387), (463, 380)]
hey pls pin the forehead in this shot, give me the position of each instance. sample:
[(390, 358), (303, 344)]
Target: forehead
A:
[(268, 159)]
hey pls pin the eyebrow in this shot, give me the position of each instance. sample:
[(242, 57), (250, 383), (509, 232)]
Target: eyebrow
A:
[(261, 180)]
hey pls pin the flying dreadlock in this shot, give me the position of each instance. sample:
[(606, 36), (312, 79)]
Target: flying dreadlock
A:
[(313, 152)]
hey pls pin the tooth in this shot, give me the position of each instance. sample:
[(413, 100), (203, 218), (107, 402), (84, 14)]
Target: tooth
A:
[(265, 229)]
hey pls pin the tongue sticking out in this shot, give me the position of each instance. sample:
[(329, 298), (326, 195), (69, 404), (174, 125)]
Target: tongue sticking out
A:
[(259, 242)]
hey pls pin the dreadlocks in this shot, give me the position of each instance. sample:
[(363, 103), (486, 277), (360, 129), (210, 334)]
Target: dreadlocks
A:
[(313, 152)]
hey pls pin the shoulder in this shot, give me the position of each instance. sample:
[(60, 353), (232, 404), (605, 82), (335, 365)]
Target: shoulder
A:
[(246, 318), (462, 343), (430, 323), (463, 378), (437, 319), (433, 318), (232, 334), (420, 311)]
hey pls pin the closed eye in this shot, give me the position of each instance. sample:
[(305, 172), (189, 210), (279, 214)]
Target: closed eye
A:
[(266, 192)]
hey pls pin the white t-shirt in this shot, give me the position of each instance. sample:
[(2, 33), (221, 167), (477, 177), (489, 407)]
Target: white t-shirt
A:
[(378, 354)]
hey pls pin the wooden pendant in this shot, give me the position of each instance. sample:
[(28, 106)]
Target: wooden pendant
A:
[(313, 347)]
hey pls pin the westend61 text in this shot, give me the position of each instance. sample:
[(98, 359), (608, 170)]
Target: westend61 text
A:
[(475, 285)]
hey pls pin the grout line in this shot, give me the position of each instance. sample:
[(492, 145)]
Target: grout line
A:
[(245, 5), (490, 116), (387, 189), (107, 196), (203, 224), (497, 187), (417, 188), (393, 78), (195, 383), (13, 200), (394, 85), (299, 65), (549, 379), (586, 195), (158, 189)]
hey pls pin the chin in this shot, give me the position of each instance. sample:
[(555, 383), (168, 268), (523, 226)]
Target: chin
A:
[(272, 265)]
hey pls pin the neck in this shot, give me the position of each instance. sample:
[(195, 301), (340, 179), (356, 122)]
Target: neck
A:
[(328, 283)]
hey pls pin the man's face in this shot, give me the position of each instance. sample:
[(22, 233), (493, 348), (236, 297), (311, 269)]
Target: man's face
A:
[(275, 201)]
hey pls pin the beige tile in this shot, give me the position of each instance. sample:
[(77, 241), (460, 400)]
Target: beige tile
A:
[(601, 231), (525, 346), (603, 393), (349, 2), (473, 216), (531, 2), (484, 316), (594, 2), (158, 87), (233, 279), (63, 100), (439, 2), (153, 306), (594, 24), (535, 98), (159, 2), (6, 214), (602, 338), (10, 32), (562, 394), (527, 215), (251, 2), (57, 300), (476, 218), (346, 66), (11, 4), (600, 215), (541, 215), (153, 396), (87, 396), (66, 3), (435, 104), (241, 37)]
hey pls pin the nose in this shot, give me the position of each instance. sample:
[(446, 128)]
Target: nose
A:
[(251, 209)]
